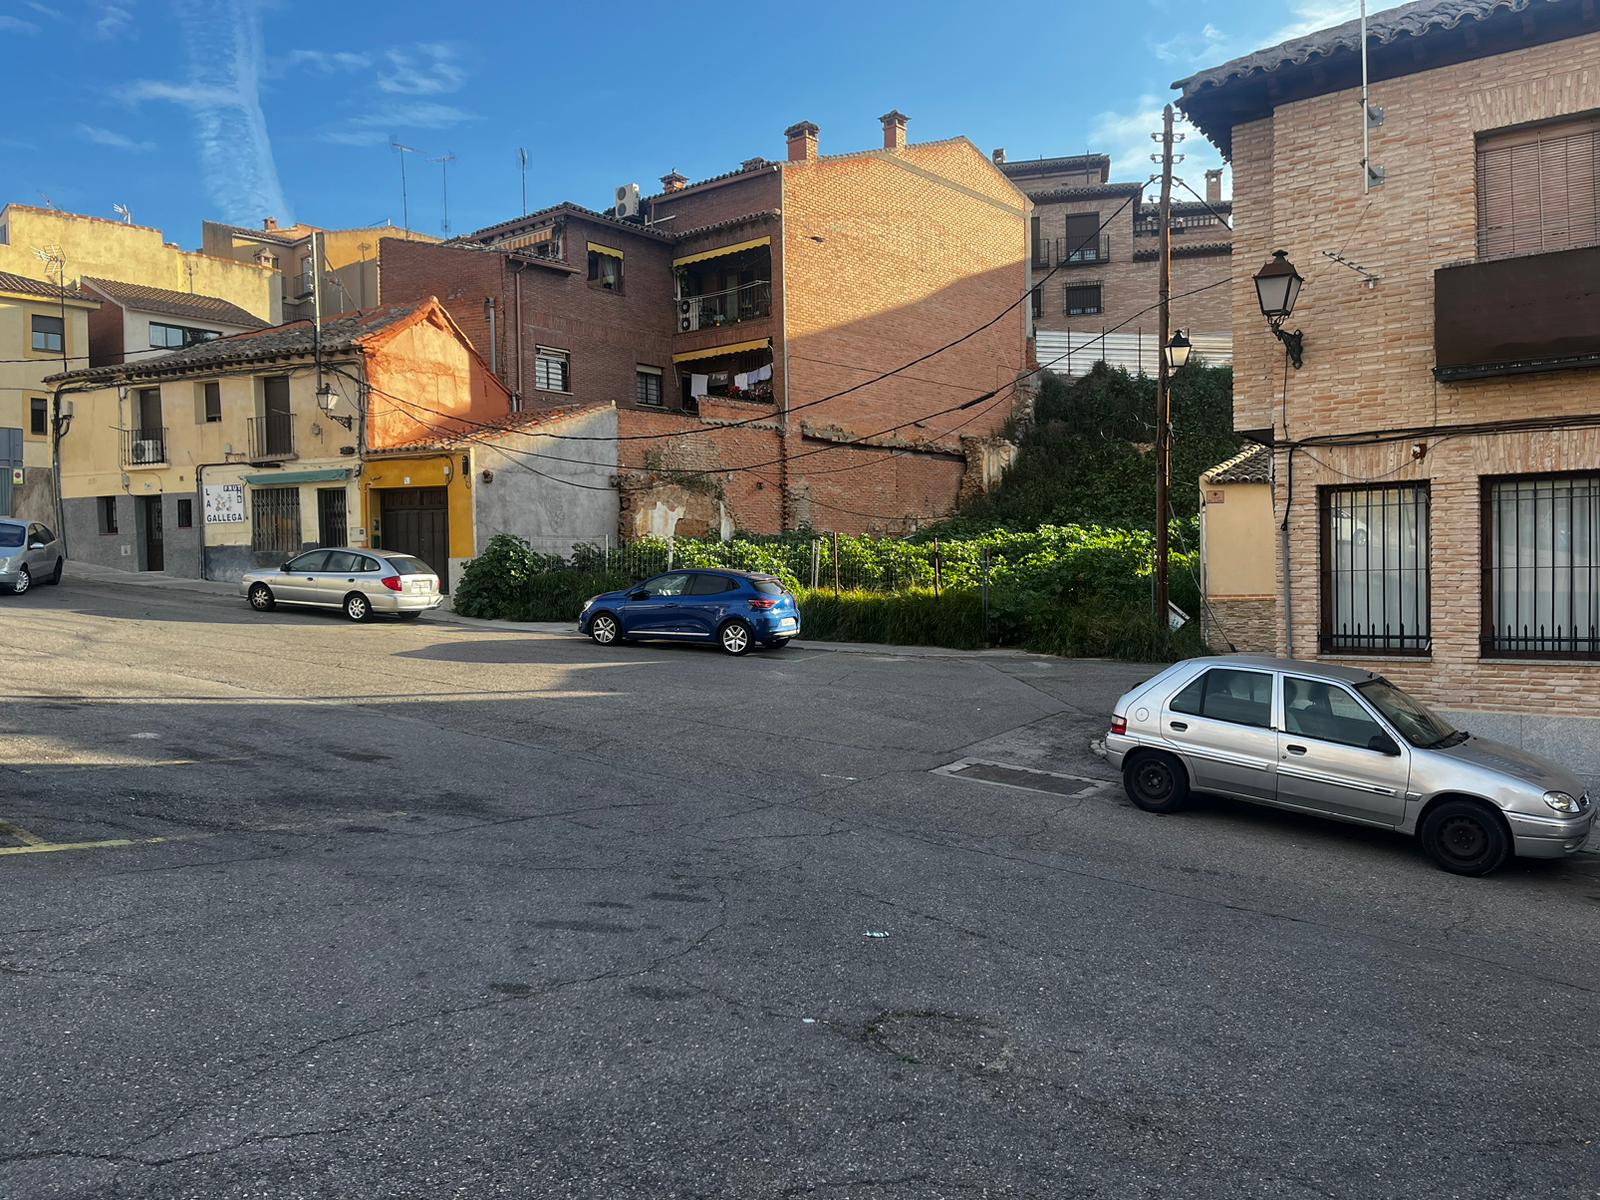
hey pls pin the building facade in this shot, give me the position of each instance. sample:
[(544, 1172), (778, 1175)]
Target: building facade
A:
[(739, 325), (138, 321), (1093, 251), (1436, 461)]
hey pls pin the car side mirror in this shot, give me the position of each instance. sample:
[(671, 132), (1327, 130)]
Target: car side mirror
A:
[(638, 595), (1383, 744), (284, 567), (37, 546)]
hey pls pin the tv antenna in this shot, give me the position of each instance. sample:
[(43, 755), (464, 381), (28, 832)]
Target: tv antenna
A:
[(444, 161), (123, 211), (405, 203), (522, 158), (48, 202)]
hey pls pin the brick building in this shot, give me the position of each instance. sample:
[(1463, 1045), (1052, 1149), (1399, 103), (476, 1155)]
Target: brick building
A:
[(1436, 462), (1093, 252), (725, 318)]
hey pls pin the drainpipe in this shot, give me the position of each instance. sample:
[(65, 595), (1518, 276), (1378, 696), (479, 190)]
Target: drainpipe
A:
[(59, 425), (494, 341), (517, 339), (200, 494), (1283, 530)]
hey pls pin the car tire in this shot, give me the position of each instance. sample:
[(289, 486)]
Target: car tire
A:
[(357, 607), (23, 583), (775, 643), (1156, 782), (261, 598), (605, 629), (55, 576), (736, 638), (1465, 837)]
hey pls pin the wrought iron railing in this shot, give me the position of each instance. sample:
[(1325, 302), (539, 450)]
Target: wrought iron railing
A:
[(272, 435), (746, 302), (144, 447), (1075, 251)]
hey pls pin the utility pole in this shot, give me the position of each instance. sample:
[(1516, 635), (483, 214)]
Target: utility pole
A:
[(405, 200), (1163, 381)]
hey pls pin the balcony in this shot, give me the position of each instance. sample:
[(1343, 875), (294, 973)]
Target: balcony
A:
[(1517, 316), (1072, 252), (271, 436), (144, 447), (744, 302)]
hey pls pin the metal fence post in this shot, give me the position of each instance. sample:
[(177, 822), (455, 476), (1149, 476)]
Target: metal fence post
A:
[(985, 595), (816, 561), (938, 570), (836, 565)]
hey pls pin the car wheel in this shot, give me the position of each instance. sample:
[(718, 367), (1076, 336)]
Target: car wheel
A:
[(775, 643), (55, 576), (357, 607), (261, 598), (605, 630), (735, 637), (1156, 783), (23, 583), (1465, 837)]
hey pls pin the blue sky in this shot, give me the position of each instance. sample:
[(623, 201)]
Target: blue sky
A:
[(237, 109)]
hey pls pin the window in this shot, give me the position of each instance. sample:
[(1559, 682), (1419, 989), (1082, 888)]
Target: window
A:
[(176, 337), (665, 585), (1041, 255), (1083, 299), (605, 267), (211, 402), (1539, 188), (308, 563), (1417, 723), (1038, 301), (49, 334), (1541, 567), (1083, 238), (710, 585), (1375, 586), (551, 370), (1224, 694), (365, 565), (45, 534), (647, 386), (406, 564), (275, 520), (1328, 713), (38, 416), (107, 507), (11, 536), (342, 562), (185, 514), (769, 587)]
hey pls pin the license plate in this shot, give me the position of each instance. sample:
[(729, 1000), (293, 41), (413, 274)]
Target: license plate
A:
[(420, 586), (786, 623)]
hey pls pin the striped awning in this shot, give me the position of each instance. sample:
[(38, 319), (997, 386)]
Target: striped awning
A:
[(721, 250), (719, 351), (597, 248)]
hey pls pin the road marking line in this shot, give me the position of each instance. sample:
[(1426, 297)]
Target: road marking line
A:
[(106, 843), (16, 832), (37, 845)]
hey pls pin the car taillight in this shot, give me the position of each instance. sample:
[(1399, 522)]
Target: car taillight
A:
[(763, 604), (392, 582), (1119, 724)]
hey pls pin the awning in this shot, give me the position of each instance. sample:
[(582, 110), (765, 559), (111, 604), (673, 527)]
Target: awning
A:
[(273, 478), (719, 351), (721, 250), (597, 248)]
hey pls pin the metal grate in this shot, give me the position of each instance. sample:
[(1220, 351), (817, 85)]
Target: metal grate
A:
[(1083, 299), (275, 519), (1541, 567), (1375, 585)]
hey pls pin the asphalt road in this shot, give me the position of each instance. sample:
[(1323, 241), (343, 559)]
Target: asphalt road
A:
[(427, 911)]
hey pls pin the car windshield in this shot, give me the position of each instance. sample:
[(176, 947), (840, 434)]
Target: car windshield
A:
[(768, 587), (10, 536), (404, 564), (1417, 724)]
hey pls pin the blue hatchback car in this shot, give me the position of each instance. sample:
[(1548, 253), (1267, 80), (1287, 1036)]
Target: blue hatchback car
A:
[(735, 609)]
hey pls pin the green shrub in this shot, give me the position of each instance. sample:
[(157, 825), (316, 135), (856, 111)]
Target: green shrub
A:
[(909, 618)]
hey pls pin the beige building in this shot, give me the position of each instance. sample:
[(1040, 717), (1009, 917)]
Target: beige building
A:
[(135, 321), (1438, 455), (1236, 574)]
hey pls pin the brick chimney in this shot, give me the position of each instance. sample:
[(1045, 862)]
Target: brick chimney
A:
[(802, 141), (894, 129), (1214, 186), (673, 182), (269, 223), (999, 157), (752, 164)]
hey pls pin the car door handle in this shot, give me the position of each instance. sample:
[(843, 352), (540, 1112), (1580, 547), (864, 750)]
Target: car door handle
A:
[(1295, 749), (1180, 726)]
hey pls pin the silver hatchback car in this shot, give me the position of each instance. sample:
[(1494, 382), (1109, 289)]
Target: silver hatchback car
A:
[(1346, 744), (361, 582), (29, 553)]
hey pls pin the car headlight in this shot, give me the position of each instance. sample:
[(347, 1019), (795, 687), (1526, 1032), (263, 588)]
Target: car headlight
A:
[(589, 603), (1562, 802)]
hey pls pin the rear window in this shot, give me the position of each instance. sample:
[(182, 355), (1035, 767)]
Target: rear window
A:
[(769, 587), (11, 536), (404, 564)]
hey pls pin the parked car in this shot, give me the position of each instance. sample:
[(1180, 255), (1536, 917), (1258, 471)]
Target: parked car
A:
[(735, 609), (1342, 743), (361, 582), (29, 553)]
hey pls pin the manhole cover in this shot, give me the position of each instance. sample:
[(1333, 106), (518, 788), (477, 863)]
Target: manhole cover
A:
[(1022, 777)]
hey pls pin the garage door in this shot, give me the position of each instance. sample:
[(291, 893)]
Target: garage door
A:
[(417, 521)]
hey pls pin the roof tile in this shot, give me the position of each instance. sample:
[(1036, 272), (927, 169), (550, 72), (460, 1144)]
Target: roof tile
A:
[(191, 305)]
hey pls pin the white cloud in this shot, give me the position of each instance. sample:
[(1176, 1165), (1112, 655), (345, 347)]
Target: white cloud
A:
[(112, 21), (1190, 49), (328, 61), (110, 137), (44, 10), (193, 95), (427, 69), (1309, 16), (17, 25), (375, 126), (1125, 136)]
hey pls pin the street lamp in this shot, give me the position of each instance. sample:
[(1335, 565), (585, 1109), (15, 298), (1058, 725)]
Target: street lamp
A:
[(1178, 350), (1277, 288), (327, 399)]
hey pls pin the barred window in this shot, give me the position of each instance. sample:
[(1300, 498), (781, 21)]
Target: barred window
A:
[(1375, 583), (551, 370), (1084, 299), (647, 386), (1541, 567), (1539, 188), (1038, 301), (275, 519)]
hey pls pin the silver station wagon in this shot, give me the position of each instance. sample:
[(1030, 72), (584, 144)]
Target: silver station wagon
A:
[(361, 582), (1346, 744)]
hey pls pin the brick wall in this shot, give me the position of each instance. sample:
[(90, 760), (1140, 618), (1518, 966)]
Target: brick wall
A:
[(1249, 626)]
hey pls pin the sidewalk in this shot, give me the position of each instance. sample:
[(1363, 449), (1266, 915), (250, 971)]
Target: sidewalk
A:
[(444, 615)]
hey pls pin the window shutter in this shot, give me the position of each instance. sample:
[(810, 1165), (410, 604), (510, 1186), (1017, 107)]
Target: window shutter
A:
[(1539, 188)]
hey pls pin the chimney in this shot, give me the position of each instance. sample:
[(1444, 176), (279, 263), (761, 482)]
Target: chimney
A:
[(673, 182), (999, 157), (269, 223), (802, 141), (1214, 186), (752, 164), (894, 129)]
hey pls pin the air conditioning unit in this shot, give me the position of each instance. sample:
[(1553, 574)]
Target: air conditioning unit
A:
[(688, 316), (147, 450), (627, 202)]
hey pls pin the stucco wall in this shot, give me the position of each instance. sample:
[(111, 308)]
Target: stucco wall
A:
[(1236, 522), (549, 513)]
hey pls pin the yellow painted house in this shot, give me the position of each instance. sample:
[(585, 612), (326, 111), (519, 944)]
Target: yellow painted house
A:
[(40, 328)]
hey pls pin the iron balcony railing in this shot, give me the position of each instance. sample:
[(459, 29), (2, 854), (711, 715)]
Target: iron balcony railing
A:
[(1074, 251), (272, 436), (746, 302), (144, 447)]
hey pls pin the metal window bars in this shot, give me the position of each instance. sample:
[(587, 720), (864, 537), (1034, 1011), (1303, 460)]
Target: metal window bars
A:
[(1541, 567), (275, 520), (1374, 568)]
